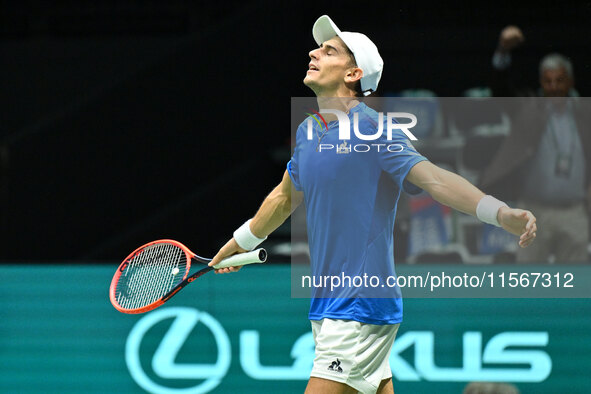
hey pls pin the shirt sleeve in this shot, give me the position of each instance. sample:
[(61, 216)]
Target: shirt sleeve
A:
[(398, 158), (292, 169)]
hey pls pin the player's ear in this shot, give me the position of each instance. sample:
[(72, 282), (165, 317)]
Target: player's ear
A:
[(354, 74)]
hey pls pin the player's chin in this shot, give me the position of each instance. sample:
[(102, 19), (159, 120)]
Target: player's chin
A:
[(309, 80)]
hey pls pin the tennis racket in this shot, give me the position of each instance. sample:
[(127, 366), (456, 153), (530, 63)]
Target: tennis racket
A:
[(156, 271)]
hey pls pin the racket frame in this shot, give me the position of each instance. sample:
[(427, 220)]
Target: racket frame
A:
[(190, 256)]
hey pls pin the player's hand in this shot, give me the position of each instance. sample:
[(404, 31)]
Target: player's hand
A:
[(518, 222), (229, 249), (511, 37)]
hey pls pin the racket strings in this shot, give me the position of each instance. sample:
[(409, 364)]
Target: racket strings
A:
[(150, 275), (154, 276)]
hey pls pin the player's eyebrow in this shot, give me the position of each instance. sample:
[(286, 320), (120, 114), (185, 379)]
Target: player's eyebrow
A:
[(328, 47)]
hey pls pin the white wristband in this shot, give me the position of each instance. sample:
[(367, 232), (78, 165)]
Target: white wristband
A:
[(487, 210), (245, 238)]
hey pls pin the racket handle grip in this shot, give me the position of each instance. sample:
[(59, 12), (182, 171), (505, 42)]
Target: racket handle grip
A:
[(256, 256)]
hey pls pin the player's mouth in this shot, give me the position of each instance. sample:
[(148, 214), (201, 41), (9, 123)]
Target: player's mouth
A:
[(312, 68)]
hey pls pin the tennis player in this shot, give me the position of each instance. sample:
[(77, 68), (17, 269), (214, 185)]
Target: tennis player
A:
[(351, 206)]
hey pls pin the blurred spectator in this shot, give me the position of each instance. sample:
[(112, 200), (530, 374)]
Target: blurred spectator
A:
[(490, 388), (545, 162)]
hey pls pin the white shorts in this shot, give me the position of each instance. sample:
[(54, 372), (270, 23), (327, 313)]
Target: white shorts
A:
[(353, 353)]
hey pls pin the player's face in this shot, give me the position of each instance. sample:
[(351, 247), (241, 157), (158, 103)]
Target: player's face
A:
[(328, 67), (556, 83)]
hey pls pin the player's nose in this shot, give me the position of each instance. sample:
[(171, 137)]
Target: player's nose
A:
[(314, 54)]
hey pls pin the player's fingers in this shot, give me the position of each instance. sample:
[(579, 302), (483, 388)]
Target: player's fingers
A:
[(527, 237), (222, 254), (229, 249), (529, 229), (533, 227), (525, 244), (527, 232), (527, 241), (226, 251), (530, 226), (227, 270)]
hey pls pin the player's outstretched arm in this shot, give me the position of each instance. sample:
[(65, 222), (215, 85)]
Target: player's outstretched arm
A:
[(275, 209), (456, 192)]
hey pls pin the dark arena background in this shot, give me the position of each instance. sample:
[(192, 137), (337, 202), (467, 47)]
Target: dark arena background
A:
[(128, 121)]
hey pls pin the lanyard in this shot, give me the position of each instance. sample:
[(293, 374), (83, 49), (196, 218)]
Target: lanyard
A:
[(573, 134), (320, 137)]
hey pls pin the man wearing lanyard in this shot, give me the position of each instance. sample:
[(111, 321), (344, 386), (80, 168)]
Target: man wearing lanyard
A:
[(546, 160)]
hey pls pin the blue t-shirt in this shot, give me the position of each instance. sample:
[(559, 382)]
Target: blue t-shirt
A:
[(351, 203)]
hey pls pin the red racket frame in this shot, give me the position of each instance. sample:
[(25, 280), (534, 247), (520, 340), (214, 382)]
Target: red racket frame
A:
[(189, 255)]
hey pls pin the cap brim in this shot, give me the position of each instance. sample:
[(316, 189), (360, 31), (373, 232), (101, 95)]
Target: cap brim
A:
[(324, 29)]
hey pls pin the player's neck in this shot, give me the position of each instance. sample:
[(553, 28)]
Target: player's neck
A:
[(343, 104), (340, 90)]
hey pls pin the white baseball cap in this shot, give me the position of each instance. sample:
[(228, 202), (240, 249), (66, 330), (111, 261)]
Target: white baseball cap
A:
[(364, 50)]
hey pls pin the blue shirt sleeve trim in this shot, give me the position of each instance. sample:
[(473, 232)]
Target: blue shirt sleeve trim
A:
[(293, 180)]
